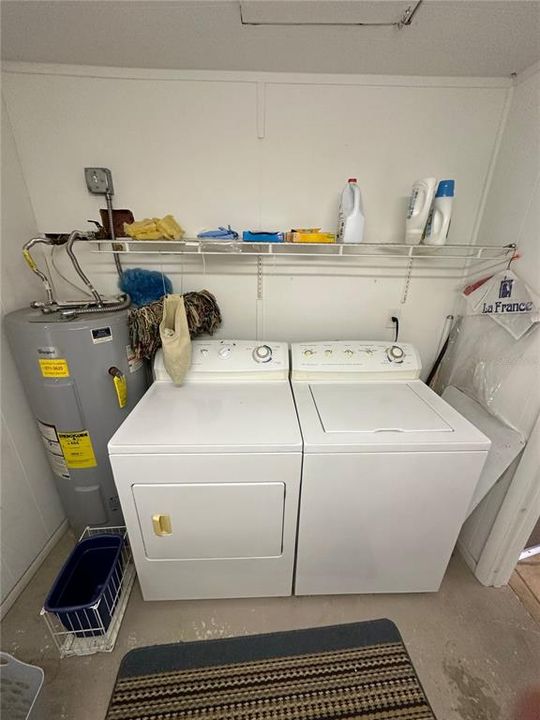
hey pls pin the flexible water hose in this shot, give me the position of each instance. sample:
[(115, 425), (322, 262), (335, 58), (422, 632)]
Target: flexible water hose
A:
[(123, 303), (34, 268)]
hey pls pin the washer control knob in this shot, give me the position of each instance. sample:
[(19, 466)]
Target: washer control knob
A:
[(204, 351), (348, 352), (395, 354), (308, 353), (262, 353), (328, 352), (224, 352)]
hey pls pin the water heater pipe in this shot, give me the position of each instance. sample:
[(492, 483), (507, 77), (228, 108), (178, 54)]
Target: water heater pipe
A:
[(34, 268), (74, 236), (70, 309)]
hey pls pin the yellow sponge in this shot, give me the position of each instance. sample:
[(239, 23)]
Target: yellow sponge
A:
[(165, 228)]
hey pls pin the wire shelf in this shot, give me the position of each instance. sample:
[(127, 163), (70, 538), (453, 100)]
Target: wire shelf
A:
[(196, 246), (88, 634)]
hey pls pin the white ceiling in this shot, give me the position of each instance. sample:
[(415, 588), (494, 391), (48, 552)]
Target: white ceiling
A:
[(447, 38)]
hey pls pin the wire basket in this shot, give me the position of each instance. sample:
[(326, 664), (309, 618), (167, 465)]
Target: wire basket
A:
[(88, 634)]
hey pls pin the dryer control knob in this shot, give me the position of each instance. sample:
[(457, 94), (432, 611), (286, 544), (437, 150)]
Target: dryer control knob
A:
[(224, 352), (262, 353), (395, 354)]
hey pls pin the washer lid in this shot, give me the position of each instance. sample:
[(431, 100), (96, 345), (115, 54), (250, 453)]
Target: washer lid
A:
[(374, 408), (396, 416)]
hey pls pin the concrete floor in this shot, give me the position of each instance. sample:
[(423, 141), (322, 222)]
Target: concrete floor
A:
[(475, 648)]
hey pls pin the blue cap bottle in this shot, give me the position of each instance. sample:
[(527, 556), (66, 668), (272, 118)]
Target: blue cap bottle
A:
[(438, 223), (445, 188)]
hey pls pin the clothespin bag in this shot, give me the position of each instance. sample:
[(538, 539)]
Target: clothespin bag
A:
[(175, 339)]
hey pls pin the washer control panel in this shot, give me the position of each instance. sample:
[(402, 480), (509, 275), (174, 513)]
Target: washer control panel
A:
[(346, 360), (233, 360)]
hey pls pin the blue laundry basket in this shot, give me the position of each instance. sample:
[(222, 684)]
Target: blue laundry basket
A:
[(85, 593)]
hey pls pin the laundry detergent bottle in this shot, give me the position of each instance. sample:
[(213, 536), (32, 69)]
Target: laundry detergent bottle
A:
[(351, 214), (438, 223), (419, 206)]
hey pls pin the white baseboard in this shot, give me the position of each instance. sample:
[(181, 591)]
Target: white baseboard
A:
[(33, 568), (466, 555)]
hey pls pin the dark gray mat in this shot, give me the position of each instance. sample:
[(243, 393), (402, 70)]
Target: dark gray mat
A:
[(358, 670)]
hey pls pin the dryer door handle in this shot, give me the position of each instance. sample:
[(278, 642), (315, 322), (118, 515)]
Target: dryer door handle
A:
[(162, 524)]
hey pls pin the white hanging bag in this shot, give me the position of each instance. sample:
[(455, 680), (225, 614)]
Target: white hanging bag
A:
[(175, 339)]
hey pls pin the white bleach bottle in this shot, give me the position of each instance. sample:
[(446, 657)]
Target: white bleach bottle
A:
[(351, 214), (419, 206), (438, 223)]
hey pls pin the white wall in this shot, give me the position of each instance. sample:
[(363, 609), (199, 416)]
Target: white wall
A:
[(264, 151), (512, 214), (31, 514)]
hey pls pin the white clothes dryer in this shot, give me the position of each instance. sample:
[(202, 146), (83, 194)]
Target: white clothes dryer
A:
[(388, 474), (208, 475)]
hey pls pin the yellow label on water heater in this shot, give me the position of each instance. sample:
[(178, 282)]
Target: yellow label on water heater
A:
[(120, 385), (54, 367), (77, 448)]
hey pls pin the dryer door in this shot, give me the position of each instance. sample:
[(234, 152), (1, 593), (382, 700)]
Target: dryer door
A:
[(210, 520), (211, 525)]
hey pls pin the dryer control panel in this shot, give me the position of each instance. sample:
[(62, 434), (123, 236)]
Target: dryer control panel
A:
[(232, 360), (349, 360)]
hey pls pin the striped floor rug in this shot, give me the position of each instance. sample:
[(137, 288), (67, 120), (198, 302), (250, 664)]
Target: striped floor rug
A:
[(359, 670)]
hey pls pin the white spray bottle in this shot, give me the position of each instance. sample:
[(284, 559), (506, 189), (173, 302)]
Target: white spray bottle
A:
[(351, 214), (419, 205)]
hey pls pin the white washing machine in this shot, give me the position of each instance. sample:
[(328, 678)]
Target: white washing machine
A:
[(388, 474), (208, 475)]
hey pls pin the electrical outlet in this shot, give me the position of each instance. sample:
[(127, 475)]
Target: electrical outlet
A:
[(99, 180), (392, 313)]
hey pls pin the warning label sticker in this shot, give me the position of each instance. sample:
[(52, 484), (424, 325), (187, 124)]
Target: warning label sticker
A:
[(133, 362), (56, 367), (77, 448), (54, 450)]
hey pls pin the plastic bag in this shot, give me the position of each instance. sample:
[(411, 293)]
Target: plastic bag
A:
[(491, 367)]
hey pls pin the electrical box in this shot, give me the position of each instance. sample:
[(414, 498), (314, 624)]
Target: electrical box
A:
[(99, 181)]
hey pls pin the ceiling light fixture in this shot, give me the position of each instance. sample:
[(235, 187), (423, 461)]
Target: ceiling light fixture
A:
[(404, 21)]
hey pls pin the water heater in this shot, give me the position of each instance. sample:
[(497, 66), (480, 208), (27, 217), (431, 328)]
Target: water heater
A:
[(81, 379)]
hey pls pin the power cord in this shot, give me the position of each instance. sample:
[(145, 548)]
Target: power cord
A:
[(395, 320)]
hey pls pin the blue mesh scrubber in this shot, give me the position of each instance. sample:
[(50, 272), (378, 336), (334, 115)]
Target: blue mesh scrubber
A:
[(144, 286)]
